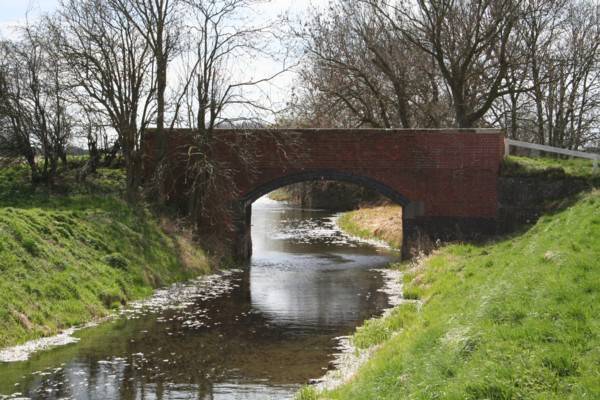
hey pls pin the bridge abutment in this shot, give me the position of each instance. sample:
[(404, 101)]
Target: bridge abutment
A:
[(420, 235), (242, 235)]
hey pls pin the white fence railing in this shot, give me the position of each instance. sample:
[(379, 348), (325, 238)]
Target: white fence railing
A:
[(550, 149)]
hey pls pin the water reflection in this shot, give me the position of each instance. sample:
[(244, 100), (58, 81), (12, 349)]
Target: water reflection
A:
[(271, 331)]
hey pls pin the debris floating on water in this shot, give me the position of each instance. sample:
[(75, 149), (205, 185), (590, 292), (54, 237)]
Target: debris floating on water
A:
[(174, 297)]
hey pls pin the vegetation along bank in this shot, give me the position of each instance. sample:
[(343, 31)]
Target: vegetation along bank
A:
[(72, 252), (518, 317)]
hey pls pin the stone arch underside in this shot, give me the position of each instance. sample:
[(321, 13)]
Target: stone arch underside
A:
[(324, 174), (243, 208)]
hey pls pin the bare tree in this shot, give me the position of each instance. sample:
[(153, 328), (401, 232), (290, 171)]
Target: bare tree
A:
[(469, 40), (16, 140), (540, 32), (358, 68), (160, 22), (92, 128), (212, 85), (554, 89), (571, 97), (219, 36), (35, 110), (111, 62)]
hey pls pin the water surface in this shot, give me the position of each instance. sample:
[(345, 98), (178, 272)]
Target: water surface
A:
[(256, 333)]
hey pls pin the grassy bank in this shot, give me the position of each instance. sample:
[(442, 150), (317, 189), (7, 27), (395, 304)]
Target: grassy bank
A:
[(382, 223), (73, 252), (280, 195), (516, 319), (550, 167)]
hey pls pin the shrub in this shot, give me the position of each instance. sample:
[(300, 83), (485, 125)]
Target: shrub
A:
[(307, 393), (116, 260), (31, 246)]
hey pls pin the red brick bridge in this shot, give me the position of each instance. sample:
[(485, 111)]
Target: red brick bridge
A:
[(445, 180)]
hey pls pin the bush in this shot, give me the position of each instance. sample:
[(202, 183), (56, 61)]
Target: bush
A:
[(116, 260), (307, 393), (31, 246)]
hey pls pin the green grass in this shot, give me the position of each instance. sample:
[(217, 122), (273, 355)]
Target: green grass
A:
[(515, 319), (74, 252), (347, 223), (549, 167), (381, 222), (280, 195)]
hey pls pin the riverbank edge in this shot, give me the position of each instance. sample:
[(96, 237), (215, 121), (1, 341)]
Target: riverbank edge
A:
[(208, 285), (71, 256), (351, 357), (417, 291), (378, 222), (21, 351)]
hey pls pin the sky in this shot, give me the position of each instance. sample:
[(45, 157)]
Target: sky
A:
[(15, 9), (15, 12)]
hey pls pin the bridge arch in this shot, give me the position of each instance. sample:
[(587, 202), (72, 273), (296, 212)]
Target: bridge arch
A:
[(445, 179), (328, 175), (243, 217)]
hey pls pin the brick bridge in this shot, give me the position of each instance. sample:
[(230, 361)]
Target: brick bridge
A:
[(445, 180)]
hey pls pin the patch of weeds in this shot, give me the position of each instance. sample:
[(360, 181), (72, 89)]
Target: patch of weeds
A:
[(411, 292), (469, 346), (116, 260), (112, 300), (561, 364), (506, 314), (64, 232), (488, 391), (307, 393), (372, 332), (31, 247), (60, 265), (408, 277), (55, 291), (378, 330), (94, 243)]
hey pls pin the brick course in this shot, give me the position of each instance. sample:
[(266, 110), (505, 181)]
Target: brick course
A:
[(451, 174)]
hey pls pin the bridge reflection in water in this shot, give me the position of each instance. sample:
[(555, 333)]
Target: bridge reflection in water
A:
[(273, 331)]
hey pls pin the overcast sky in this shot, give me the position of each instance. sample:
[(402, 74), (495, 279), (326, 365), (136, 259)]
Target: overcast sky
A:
[(12, 10), (15, 12)]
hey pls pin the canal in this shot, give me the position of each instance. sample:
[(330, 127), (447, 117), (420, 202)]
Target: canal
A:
[(258, 332)]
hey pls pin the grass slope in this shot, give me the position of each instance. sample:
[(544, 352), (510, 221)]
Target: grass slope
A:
[(381, 222), (70, 257), (516, 319), (550, 167), (280, 195)]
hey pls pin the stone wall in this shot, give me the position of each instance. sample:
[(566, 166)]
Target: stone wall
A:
[(523, 199)]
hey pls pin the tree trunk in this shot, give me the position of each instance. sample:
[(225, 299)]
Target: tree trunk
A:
[(112, 154), (132, 176), (161, 86), (92, 163)]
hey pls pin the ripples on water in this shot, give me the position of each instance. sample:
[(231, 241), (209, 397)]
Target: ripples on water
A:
[(256, 333)]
